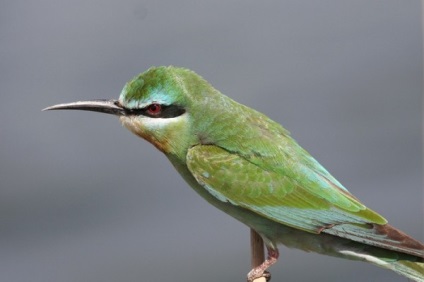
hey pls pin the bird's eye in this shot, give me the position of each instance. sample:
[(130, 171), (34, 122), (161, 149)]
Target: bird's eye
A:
[(154, 109)]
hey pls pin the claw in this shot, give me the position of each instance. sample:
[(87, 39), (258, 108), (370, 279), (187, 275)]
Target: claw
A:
[(266, 276)]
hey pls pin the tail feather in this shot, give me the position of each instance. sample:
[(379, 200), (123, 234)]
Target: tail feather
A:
[(383, 236), (406, 267), (384, 246), (412, 270), (381, 245)]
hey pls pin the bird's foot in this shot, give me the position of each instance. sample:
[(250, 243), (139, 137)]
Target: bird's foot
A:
[(260, 271), (265, 277), (253, 276)]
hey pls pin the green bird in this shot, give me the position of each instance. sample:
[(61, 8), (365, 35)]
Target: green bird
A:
[(249, 166)]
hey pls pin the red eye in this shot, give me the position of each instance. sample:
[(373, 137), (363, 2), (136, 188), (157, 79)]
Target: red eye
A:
[(154, 109)]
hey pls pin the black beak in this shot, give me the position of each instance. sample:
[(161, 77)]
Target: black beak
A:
[(102, 106)]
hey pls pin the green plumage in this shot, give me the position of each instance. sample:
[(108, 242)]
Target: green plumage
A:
[(247, 165), (303, 200)]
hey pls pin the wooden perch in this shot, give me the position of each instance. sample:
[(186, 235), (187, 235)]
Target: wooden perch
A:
[(257, 252)]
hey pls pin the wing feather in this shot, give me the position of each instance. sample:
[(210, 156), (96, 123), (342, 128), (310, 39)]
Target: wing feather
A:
[(304, 199)]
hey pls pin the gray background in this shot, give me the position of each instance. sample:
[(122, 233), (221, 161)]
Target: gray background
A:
[(82, 199)]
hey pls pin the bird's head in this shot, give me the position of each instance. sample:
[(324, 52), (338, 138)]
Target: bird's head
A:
[(167, 106)]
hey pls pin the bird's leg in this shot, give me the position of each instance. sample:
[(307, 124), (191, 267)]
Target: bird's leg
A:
[(259, 271)]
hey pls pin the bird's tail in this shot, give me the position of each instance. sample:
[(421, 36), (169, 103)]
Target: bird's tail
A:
[(384, 246), (405, 265), (381, 245), (411, 270)]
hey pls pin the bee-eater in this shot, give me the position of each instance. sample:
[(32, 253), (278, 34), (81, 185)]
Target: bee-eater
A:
[(248, 166)]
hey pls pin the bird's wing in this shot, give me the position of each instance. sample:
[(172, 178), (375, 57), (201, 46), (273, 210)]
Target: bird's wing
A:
[(303, 199)]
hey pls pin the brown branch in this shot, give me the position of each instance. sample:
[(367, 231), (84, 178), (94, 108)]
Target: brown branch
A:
[(257, 252)]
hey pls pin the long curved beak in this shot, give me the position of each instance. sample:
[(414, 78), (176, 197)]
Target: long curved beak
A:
[(103, 106)]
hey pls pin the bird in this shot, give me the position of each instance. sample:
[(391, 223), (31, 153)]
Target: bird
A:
[(249, 166)]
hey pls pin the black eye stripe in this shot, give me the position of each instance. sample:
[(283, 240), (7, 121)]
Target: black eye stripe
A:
[(170, 111)]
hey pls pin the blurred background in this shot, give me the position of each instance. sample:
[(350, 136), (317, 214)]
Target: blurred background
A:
[(82, 199)]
